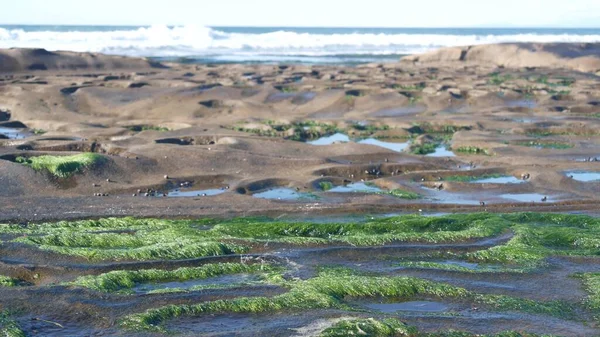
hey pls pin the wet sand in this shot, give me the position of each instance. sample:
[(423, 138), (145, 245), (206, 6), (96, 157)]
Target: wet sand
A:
[(229, 126)]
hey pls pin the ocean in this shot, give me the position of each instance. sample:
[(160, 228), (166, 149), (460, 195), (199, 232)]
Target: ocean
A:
[(200, 44)]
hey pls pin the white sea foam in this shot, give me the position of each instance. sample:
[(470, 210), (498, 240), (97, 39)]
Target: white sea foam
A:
[(203, 41)]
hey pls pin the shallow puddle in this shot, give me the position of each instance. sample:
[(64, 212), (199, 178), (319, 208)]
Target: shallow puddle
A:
[(417, 306), (524, 120), (499, 180), (342, 138), (456, 109), (304, 98), (220, 281), (588, 159), (400, 111), (328, 140), (584, 176), (444, 197), (398, 147), (297, 98), (463, 264), (282, 193), (13, 133), (442, 151), (525, 197), (195, 193), (356, 188), (521, 103)]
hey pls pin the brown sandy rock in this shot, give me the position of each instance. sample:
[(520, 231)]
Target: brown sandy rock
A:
[(577, 56), (15, 60), (424, 139), (477, 93)]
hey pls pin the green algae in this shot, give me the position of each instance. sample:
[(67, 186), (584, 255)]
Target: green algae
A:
[(392, 327), (498, 79), (535, 236), (329, 289), (546, 145), (472, 150), (454, 333), (458, 268), (591, 281), (148, 239), (325, 185), (424, 149), (389, 327), (121, 280), (402, 194), (62, 166), (323, 291), (9, 327), (6, 281)]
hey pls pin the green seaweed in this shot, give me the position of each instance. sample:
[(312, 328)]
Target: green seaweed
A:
[(536, 235), (402, 194), (62, 166), (392, 327), (462, 269), (472, 150), (126, 279), (6, 281), (530, 238), (591, 281), (423, 149), (9, 327), (329, 289), (325, 185), (545, 145), (498, 79), (389, 327)]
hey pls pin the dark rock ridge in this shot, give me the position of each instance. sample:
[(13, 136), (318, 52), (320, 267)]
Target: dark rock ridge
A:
[(16, 60)]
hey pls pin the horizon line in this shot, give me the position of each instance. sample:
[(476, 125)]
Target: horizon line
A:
[(294, 26)]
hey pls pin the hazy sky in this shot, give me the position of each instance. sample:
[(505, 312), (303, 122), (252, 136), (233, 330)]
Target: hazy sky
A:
[(346, 13)]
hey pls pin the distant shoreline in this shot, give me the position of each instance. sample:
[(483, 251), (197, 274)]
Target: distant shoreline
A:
[(296, 27), (274, 45)]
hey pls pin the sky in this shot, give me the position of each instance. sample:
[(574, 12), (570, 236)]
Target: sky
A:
[(306, 13)]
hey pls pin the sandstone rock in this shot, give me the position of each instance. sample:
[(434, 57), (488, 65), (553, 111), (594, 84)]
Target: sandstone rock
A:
[(424, 139), (577, 56), (477, 93), (227, 141), (430, 91)]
